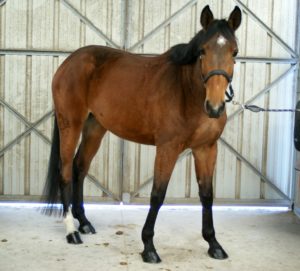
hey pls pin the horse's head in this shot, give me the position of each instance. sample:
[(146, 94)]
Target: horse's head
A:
[(218, 49)]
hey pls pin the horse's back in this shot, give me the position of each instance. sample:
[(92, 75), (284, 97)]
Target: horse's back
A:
[(81, 64), (93, 66), (123, 91)]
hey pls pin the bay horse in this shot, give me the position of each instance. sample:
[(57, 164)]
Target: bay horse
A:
[(174, 101)]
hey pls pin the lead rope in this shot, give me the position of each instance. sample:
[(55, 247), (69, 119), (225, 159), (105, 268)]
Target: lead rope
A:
[(257, 109)]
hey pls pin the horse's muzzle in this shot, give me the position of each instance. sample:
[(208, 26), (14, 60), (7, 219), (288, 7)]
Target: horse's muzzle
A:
[(214, 111)]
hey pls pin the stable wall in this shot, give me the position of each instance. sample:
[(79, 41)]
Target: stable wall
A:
[(256, 155)]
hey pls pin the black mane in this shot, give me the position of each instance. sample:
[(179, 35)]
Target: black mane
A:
[(187, 53)]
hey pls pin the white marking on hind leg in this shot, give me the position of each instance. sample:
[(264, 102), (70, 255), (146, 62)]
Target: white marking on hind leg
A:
[(69, 222)]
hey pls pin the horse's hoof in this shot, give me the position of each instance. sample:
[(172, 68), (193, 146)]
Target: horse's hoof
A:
[(74, 238), (87, 228), (217, 253), (150, 257)]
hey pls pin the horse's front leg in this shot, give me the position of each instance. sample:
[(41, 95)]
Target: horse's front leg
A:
[(165, 161), (205, 159)]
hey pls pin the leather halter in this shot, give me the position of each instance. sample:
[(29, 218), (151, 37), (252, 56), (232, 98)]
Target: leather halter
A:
[(229, 94)]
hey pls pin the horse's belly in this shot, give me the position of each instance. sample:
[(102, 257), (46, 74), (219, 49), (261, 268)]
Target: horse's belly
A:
[(133, 136), (125, 111), (125, 125)]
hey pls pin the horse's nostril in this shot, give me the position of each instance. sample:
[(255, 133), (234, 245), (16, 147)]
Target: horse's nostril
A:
[(214, 111), (222, 108)]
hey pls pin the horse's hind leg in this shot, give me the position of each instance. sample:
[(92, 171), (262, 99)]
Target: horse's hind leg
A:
[(70, 126), (92, 135)]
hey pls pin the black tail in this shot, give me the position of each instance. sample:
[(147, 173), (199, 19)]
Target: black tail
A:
[(51, 189)]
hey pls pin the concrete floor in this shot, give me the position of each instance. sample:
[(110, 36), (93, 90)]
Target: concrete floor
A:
[(254, 239)]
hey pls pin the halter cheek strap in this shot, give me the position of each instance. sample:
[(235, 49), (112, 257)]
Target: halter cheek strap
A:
[(229, 94)]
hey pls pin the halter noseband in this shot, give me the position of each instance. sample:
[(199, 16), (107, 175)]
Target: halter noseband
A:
[(229, 94)]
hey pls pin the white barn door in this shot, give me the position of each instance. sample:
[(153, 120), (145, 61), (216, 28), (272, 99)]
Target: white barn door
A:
[(256, 154)]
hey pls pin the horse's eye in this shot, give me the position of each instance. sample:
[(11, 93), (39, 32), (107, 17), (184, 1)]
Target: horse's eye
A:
[(235, 53)]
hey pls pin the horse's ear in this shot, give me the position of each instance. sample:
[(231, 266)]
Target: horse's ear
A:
[(235, 18), (206, 17)]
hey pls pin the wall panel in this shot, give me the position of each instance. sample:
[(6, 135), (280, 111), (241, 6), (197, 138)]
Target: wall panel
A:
[(62, 26)]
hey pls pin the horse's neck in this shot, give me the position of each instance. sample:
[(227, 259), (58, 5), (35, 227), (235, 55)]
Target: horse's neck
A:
[(193, 86)]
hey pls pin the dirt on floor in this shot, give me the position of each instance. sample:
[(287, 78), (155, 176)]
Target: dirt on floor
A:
[(254, 240)]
